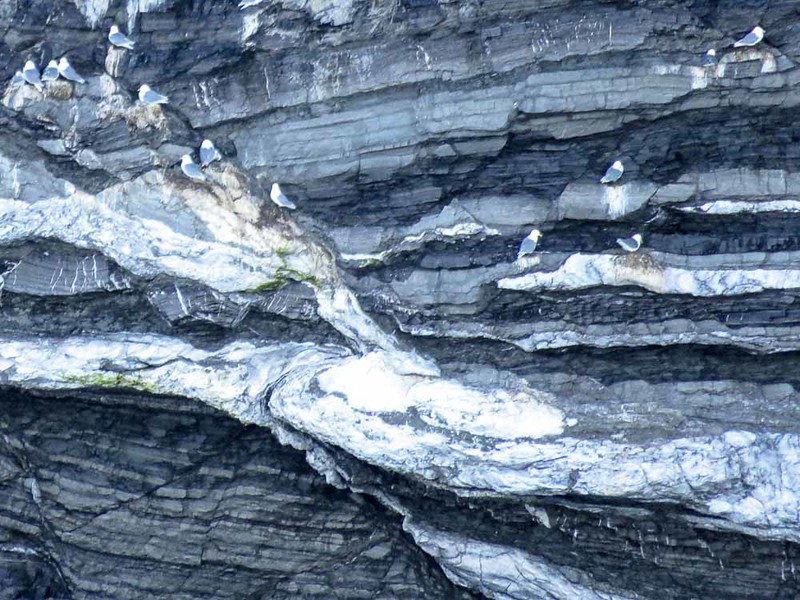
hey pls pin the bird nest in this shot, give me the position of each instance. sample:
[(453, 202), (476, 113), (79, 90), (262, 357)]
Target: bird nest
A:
[(640, 261), (58, 90), (143, 116)]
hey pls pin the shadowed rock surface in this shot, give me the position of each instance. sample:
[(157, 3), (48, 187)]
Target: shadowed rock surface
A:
[(578, 423), (165, 498)]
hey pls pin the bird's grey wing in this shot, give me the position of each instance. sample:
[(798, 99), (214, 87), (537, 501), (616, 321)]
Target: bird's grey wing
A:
[(206, 156), (32, 77), (748, 40), (193, 171), (72, 74), (154, 97), (121, 40), (527, 246), (612, 175), (284, 201)]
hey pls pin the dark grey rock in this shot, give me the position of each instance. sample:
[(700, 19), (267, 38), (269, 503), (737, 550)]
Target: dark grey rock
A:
[(421, 141), (59, 273), (254, 520)]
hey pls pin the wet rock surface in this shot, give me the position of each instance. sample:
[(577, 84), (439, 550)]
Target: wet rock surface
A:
[(578, 423)]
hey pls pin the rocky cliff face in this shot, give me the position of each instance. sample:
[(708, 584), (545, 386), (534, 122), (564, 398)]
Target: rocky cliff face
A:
[(206, 396)]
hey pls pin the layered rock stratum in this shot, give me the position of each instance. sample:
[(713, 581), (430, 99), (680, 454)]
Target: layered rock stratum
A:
[(206, 396)]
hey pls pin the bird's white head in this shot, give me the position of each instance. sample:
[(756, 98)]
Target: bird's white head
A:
[(758, 30), (276, 189), (186, 160), (29, 65), (114, 30), (52, 64), (711, 52), (207, 144), (144, 88), (638, 237), (617, 165), (63, 62), (535, 235)]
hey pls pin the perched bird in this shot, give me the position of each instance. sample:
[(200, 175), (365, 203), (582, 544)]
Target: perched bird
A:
[(119, 39), (276, 195), (50, 71), (31, 74), (150, 96), (613, 173), (631, 244), (190, 169), (208, 153), (751, 39), (710, 58), (67, 72), (528, 245)]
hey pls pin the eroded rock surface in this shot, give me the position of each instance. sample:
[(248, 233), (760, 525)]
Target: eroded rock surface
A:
[(578, 423)]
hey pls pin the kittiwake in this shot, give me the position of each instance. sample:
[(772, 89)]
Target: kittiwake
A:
[(528, 245), (276, 195), (208, 153), (119, 39), (751, 39), (67, 72), (150, 96), (190, 168), (31, 75), (631, 244), (613, 173), (50, 71), (710, 58)]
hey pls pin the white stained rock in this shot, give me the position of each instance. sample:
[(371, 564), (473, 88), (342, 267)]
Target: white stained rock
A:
[(441, 403), (511, 442), (654, 272), (152, 226), (499, 572), (474, 442), (93, 10), (233, 378)]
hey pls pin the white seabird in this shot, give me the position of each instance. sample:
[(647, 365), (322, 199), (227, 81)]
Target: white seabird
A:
[(528, 245), (276, 195), (50, 71), (31, 74), (119, 39), (710, 58), (150, 96), (751, 39), (631, 244), (190, 169), (613, 173), (67, 72), (208, 153)]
